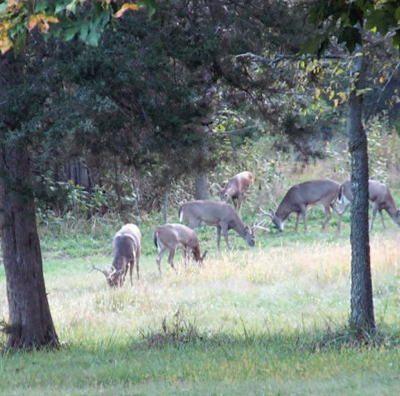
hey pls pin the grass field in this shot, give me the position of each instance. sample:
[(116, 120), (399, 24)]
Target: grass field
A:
[(264, 321)]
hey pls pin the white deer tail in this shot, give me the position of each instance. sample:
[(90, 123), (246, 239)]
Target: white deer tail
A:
[(180, 214)]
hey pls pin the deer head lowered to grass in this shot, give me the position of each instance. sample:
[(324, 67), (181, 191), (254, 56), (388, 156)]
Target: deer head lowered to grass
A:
[(172, 236), (300, 196), (126, 250)]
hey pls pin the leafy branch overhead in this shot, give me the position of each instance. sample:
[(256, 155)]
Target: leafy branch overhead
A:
[(63, 19), (376, 16)]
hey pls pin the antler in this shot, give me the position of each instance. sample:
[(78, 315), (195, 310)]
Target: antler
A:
[(259, 225), (269, 214), (98, 269)]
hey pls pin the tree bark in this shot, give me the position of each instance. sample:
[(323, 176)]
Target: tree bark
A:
[(165, 205), (201, 186), (30, 321), (362, 308)]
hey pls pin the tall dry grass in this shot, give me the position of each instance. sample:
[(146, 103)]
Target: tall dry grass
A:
[(302, 286)]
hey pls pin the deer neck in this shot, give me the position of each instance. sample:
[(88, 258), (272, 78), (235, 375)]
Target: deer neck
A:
[(284, 211)]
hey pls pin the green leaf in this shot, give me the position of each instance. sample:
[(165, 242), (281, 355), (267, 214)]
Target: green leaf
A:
[(70, 33), (41, 6), (93, 38), (60, 7), (84, 32), (397, 13), (380, 19), (151, 6), (312, 45), (19, 45), (396, 38), (3, 7)]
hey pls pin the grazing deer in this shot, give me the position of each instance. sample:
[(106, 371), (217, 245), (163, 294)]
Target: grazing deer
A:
[(126, 249), (300, 196), (380, 197), (172, 236), (218, 214), (236, 188)]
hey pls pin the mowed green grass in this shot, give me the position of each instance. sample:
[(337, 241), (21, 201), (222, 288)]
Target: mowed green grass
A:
[(262, 321)]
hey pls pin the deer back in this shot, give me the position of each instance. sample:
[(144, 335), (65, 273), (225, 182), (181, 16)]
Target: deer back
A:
[(171, 235), (126, 246), (308, 193)]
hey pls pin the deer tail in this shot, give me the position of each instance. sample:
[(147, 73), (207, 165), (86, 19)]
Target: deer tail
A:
[(180, 214), (340, 195), (155, 239)]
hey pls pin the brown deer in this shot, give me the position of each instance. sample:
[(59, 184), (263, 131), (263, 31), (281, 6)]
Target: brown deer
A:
[(236, 188), (172, 236), (300, 196), (126, 250), (379, 196), (218, 214)]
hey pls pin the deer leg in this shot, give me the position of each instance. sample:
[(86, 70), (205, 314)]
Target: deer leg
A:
[(218, 236), (123, 276), (225, 233), (296, 228), (374, 210), (137, 264), (335, 207), (383, 221), (171, 258), (303, 212), (131, 265), (328, 216), (344, 208), (187, 251), (161, 252)]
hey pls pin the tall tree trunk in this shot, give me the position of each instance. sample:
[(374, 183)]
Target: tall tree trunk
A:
[(362, 308), (30, 322), (165, 204), (201, 186)]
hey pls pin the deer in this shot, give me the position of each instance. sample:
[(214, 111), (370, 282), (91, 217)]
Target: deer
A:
[(218, 214), (171, 237), (299, 196), (379, 196), (236, 188), (126, 251)]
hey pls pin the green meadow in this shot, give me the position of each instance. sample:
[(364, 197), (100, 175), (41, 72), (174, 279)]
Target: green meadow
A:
[(271, 320)]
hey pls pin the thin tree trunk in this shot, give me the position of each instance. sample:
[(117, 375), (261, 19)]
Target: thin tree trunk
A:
[(362, 308), (165, 205), (30, 321), (201, 186)]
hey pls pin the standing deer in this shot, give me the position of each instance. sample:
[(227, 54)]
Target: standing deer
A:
[(218, 214), (126, 249), (172, 236), (236, 188), (380, 197), (300, 196)]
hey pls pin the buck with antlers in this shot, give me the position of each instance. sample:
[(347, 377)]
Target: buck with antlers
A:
[(218, 214), (300, 196), (172, 236), (236, 188), (379, 196), (126, 250)]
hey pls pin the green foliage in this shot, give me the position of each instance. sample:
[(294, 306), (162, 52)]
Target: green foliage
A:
[(383, 150), (63, 19), (382, 16)]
